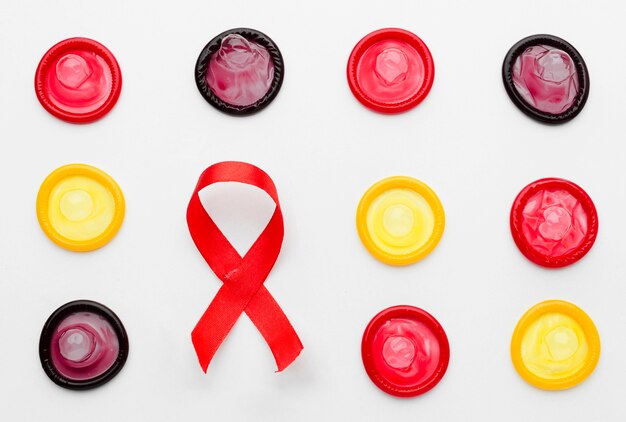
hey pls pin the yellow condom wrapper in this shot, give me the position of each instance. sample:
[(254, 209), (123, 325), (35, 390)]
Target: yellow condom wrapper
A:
[(555, 345), (400, 220), (80, 207)]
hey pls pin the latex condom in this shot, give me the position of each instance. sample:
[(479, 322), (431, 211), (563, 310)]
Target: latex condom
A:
[(80, 207), (240, 71), (78, 80), (390, 70), (546, 78), (83, 345), (405, 351), (400, 220), (555, 345), (554, 222)]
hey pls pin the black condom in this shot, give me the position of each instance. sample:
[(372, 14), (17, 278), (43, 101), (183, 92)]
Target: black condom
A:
[(240, 71), (546, 78), (83, 345)]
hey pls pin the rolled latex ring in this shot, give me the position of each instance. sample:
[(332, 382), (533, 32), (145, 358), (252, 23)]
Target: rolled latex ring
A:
[(405, 351), (546, 78), (400, 220), (390, 70), (80, 207), (555, 345), (553, 222), (240, 71), (78, 80), (83, 345)]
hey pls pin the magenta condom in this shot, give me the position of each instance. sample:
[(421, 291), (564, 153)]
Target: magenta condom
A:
[(83, 345), (546, 78), (240, 71), (78, 80), (405, 351)]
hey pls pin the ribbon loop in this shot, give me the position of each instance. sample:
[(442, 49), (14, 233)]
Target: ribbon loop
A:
[(243, 277)]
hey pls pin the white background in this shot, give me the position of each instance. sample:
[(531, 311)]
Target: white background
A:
[(323, 149)]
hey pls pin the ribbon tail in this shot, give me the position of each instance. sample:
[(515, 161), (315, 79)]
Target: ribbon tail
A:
[(275, 328), (215, 324), (204, 354)]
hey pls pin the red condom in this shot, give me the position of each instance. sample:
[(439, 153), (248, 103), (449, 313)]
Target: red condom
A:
[(390, 70), (405, 351), (78, 80), (554, 222)]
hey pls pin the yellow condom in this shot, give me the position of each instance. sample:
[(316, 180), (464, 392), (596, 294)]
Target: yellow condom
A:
[(555, 345), (80, 207), (400, 220)]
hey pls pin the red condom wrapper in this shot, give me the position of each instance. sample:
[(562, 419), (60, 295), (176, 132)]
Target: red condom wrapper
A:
[(243, 277)]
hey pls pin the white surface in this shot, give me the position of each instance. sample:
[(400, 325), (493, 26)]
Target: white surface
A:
[(239, 210), (323, 150)]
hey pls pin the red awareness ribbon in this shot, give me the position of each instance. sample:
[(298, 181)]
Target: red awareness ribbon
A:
[(243, 277)]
